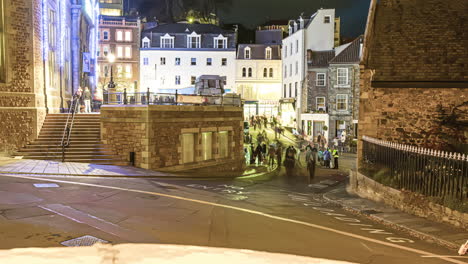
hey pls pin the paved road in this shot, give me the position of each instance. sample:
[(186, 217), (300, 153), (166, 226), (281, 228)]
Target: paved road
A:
[(259, 215)]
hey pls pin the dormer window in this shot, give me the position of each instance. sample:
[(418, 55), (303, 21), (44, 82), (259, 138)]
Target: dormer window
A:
[(167, 42), (247, 53), (220, 42), (268, 53), (146, 42), (327, 19), (193, 41)]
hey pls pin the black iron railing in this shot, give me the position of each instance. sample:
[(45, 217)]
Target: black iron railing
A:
[(429, 172), (150, 98), (65, 142)]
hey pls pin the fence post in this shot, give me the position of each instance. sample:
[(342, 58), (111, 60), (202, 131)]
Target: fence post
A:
[(106, 97), (148, 96), (125, 96), (176, 93)]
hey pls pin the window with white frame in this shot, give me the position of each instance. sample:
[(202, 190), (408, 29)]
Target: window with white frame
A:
[(320, 103), (146, 43), (167, 42), (193, 41), (177, 79), (285, 51), (119, 35), (193, 61), (145, 61), (327, 19), (297, 45), (247, 52), (209, 61), (250, 72), (284, 91), (220, 42), (128, 52), (177, 61), (105, 34), (285, 71), (120, 51), (244, 72), (297, 68), (271, 73), (341, 102), (163, 60), (128, 71), (342, 76), (128, 35), (268, 53), (265, 72), (290, 70), (320, 79), (224, 62)]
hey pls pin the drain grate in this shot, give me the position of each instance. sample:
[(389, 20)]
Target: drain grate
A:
[(46, 185), (83, 241), (371, 212)]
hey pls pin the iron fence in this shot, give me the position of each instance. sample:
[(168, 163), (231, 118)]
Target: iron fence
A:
[(426, 171), (150, 98)]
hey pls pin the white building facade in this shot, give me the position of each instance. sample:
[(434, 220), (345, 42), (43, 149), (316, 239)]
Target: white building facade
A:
[(258, 78), (173, 56), (314, 33)]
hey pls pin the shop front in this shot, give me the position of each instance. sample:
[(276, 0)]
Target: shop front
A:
[(288, 112)]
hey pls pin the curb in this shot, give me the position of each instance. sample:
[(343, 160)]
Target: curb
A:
[(410, 231)]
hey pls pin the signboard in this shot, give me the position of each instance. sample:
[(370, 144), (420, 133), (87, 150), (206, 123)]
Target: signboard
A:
[(86, 62), (190, 99)]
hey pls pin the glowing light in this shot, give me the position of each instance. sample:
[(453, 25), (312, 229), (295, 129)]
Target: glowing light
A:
[(111, 58), (45, 33)]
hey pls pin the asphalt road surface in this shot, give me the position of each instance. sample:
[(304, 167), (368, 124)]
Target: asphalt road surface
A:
[(265, 216)]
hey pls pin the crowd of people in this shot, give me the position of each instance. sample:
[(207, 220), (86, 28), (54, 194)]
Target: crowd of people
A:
[(84, 99)]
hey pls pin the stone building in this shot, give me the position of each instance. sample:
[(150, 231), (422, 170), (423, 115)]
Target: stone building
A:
[(414, 73), (41, 62), (343, 92), (119, 36), (316, 115)]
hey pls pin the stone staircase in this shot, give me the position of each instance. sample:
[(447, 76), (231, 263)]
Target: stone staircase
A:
[(85, 141)]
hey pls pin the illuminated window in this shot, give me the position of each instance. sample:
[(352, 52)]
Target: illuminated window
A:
[(119, 70), (120, 51), (341, 102), (188, 148), (268, 53), (128, 35), (128, 52), (110, 12), (52, 59), (320, 102), (119, 35), (207, 145), (247, 53), (223, 138)]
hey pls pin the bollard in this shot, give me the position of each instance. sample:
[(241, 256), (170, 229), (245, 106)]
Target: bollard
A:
[(125, 96)]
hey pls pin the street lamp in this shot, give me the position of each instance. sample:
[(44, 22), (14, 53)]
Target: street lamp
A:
[(111, 60)]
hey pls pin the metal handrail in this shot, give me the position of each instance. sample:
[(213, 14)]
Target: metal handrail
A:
[(69, 125)]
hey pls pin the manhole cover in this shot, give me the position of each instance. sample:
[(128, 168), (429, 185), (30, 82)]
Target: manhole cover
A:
[(46, 185), (371, 212), (83, 241)]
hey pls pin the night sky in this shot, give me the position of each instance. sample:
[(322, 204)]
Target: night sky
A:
[(251, 13)]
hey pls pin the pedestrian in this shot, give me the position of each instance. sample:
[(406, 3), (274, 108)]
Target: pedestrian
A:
[(335, 157), (271, 156), (279, 154), (290, 161), (258, 154), (311, 160), (326, 158), (335, 142), (252, 154), (97, 99), (87, 100), (247, 155)]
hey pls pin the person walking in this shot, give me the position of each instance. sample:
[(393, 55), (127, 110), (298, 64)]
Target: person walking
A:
[(311, 160), (258, 154), (279, 154), (271, 156), (87, 100), (327, 158), (335, 157), (252, 154)]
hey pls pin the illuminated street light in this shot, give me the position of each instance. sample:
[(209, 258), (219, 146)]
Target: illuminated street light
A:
[(111, 60)]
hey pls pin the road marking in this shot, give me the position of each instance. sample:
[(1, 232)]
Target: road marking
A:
[(324, 228), (368, 248), (97, 223), (440, 256)]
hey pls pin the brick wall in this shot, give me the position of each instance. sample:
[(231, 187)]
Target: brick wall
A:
[(154, 134)]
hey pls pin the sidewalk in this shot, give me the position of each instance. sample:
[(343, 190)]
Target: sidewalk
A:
[(419, 227)]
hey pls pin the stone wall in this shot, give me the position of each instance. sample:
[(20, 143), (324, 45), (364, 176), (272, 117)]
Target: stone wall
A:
[(314, 91), (406, 201), (411, 116), (154, 133)]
